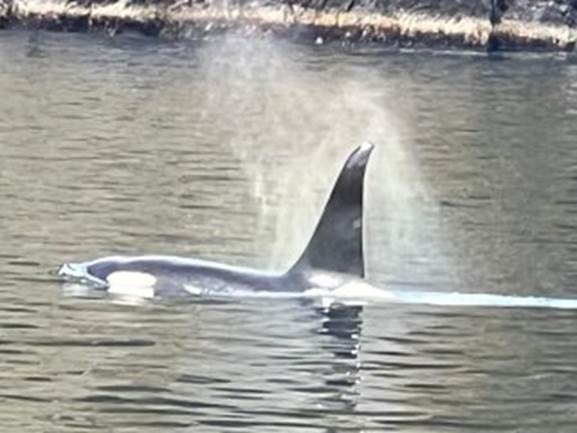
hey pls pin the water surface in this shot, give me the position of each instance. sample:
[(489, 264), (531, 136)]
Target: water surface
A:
[(226, 149)]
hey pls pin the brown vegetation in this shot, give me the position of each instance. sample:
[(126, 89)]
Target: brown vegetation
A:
[(179, 18)]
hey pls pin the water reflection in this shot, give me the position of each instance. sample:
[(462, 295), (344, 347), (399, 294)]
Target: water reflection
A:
[(170, 366), (34, 47), (344, 324)]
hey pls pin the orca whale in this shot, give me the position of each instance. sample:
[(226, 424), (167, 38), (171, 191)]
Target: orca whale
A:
[(332, 258)]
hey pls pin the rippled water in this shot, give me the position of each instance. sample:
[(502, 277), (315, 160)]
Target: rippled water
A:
[(225, 149)]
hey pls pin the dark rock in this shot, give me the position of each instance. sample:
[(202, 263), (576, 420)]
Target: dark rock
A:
[(560, 12), (535, 25), (449, 8)]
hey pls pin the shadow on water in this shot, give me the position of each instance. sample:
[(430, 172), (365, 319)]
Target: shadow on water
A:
[(344, 324)]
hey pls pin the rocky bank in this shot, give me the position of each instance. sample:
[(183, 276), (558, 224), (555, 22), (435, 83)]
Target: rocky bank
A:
[(491, 25)]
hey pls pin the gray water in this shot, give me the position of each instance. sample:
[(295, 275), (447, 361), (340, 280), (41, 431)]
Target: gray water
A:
[(226, 149)]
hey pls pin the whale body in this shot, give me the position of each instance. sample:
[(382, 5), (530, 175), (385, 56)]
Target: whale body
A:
[(333, 257)]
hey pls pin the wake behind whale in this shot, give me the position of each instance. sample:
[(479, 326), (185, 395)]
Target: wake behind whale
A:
[(359, 292), (331, 268)]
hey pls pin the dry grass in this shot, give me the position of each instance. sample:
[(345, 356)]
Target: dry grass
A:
[(47, 8), (466, 31), (536, 34), (472, 31), (122, 11)]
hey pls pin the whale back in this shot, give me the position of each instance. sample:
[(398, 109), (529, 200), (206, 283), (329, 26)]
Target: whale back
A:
[(337, 242)]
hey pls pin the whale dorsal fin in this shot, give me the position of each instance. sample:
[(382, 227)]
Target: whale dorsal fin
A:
[(337, 242)]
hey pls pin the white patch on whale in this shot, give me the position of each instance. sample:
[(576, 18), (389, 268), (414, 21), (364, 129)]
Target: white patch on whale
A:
[(131, 283), (194, 290)]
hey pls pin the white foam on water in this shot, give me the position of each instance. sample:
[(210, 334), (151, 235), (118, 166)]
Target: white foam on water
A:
[(485, 300), (362, 293)]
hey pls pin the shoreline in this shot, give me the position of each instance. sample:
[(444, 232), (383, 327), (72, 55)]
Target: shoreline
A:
[(397, 28)]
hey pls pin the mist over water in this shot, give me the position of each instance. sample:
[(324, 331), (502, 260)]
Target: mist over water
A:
[(261, 92)]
